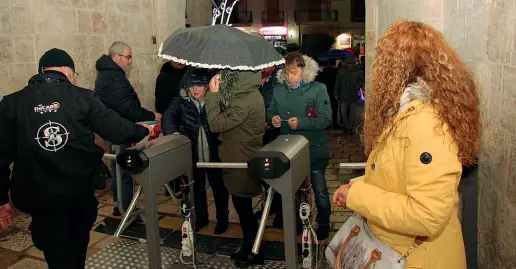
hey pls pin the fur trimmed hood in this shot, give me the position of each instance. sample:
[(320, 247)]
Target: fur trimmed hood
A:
[(418, 90), (309, 72)]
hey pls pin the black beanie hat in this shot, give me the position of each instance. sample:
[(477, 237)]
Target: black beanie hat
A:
[(55, 58)]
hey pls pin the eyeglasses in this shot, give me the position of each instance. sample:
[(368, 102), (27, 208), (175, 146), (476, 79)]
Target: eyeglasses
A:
[(75, 74), (128, 57)]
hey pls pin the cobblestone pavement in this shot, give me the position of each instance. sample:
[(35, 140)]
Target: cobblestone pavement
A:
[(18, 252)]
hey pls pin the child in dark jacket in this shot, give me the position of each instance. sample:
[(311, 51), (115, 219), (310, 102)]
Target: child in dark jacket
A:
[(186, 115)]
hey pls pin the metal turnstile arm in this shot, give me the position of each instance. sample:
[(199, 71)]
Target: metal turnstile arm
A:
[(108, 156), (263, 221), (222, 165), (352, 166)]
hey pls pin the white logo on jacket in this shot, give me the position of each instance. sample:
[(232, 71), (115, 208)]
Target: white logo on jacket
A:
[(44, 109), (52, 136)]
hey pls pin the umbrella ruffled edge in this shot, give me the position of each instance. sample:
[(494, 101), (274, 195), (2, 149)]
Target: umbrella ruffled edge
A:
[(217, 66)]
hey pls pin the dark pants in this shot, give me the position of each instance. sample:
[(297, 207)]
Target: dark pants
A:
[(269, 136), (348, 114), (244, 209), (63, 236), (220, 195), (127, 185), (127, 190), (334, 112)]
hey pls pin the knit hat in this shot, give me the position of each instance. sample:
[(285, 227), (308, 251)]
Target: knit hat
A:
[(196, 77), (55, 58)]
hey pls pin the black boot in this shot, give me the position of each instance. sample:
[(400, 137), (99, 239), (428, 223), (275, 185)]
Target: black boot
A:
[(322, 233), (250, 259), (116, 212), (222, 227), (200, 224), (278, 222), (239, 255)]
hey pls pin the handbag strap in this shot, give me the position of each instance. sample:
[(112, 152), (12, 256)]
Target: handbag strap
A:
[(354, 232), (417, 242)]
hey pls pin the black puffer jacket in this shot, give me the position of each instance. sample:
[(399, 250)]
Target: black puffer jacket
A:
[(115, 91), (183, 116)]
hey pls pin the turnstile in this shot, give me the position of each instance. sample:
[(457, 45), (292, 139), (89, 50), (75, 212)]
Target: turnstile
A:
[(284, 164), (152, 165)]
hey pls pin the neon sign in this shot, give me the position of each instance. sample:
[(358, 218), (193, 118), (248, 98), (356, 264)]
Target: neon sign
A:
[(274, 30)]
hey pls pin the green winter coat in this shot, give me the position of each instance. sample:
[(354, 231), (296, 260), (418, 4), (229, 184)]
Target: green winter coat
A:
[(238, 112), (288, 103)]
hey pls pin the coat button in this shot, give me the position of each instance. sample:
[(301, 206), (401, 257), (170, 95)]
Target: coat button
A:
[(373, 166), (288, 112), (425, 158)]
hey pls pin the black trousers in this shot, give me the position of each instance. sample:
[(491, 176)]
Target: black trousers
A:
[(269, 136), (244, 209), (220, 194), (334, 112), (63, 235)]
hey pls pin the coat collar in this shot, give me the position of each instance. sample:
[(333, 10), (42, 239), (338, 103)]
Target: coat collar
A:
[(309, 72)]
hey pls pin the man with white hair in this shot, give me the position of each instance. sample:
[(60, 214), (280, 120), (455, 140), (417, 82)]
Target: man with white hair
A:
[(114, 90)]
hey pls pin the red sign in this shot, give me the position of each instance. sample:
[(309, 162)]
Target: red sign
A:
[(274, 30), (241, 28)]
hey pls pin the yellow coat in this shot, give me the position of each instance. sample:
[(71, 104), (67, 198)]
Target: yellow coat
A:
[(402, 197)]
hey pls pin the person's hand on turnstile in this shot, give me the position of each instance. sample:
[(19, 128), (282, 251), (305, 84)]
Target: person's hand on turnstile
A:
[(276, 121), (7, 212), (341, 195), (150, 128), (157, 116)]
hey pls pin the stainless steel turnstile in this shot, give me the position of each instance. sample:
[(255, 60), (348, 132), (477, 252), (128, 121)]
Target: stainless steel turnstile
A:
[(152, 165), (284, 164)]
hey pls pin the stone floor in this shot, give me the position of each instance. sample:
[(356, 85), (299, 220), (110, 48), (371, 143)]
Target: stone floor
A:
[(18, 252)]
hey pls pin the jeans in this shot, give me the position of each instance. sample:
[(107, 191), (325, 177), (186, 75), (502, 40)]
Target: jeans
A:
[(322, 199), (127, 191), (63, 235)]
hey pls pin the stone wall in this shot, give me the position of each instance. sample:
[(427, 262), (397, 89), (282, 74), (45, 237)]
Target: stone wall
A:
[(85, 29), (199, 12), (482, 33)]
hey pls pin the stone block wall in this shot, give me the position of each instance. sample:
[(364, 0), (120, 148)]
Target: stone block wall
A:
[(482, 32), (86, 29)]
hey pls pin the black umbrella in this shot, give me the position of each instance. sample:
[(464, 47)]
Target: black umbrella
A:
[(219, 47)]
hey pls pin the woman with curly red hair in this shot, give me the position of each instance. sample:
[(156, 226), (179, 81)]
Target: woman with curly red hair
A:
[(421, 125)]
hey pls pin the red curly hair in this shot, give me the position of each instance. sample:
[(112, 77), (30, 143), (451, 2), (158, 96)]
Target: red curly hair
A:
[(409, 50)]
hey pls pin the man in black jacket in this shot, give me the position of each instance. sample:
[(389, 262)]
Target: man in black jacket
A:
[(46, 129), (115, 91)]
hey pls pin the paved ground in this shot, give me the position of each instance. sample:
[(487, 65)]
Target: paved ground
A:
[(17, 250)]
